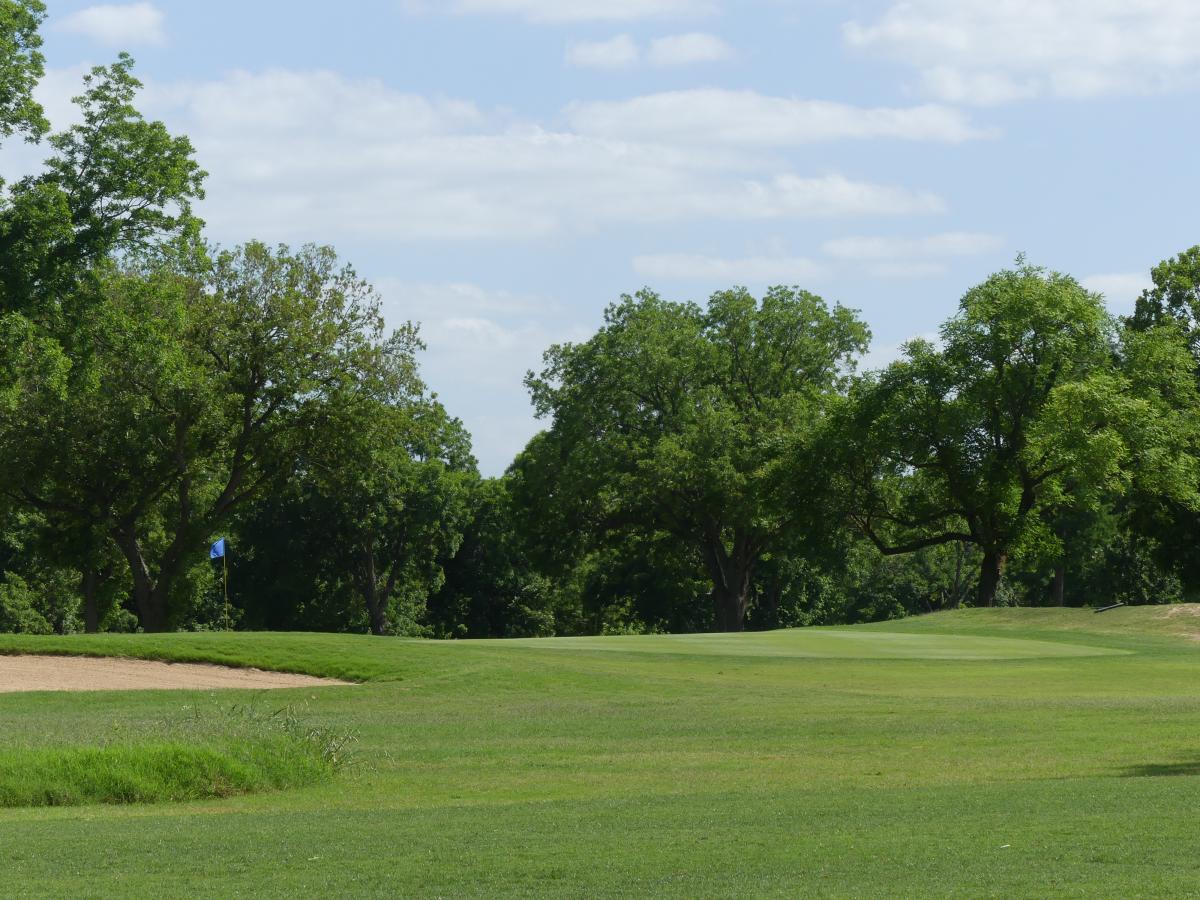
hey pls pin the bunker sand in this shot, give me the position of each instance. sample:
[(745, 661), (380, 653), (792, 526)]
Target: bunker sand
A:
[(83, 673)]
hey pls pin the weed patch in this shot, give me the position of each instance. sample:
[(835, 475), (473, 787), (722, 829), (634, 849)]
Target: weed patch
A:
[(206, 752)]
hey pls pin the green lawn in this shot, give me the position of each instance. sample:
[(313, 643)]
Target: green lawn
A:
[(983, 753)]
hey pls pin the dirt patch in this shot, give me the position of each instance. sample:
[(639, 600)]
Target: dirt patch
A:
[(83, 673), (1185, 617)]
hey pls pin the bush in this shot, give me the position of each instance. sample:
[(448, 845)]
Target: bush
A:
[(18, 608)]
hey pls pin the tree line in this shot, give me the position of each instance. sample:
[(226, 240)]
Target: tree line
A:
[(702, 467)]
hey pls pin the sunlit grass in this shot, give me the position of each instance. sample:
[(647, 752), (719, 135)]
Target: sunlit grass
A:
[(203, 752), (1004, 753)]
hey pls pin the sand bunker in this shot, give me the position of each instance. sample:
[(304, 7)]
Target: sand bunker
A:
[(83, 673)]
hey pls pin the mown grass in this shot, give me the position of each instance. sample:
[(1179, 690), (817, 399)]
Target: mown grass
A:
[(734, 766)]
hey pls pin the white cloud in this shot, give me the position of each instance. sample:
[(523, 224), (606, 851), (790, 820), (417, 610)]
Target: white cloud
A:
[(312, 105), (750, 269), (831, 195), (909, 258), (688, 49), (315, 155), (481, 343), (119, 25), (955, 243), (708, 116), (623, 52), (567, 11), (978, 88), (993, 51), (877, 257), (1120, 289), (620, 52)]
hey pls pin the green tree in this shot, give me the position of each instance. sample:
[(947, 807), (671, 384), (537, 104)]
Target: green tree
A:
[(371, 511), (1174, 298), (1168, 525), (115, 183), (199, 391), (393, 482), (690, 422), (491, 586), (21, 68), (1030, 405), (280, 573)]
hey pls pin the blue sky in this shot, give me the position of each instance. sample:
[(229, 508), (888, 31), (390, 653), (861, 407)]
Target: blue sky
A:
[(503, 169)]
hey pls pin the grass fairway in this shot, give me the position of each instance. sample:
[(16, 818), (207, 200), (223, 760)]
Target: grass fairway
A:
[(1035, 753)]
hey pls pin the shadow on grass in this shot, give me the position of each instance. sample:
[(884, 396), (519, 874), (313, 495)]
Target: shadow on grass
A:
[(1162, 770)]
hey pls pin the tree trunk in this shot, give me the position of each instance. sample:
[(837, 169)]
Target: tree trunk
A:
[(89, 587), (375, 604), (990, 572), (152, 611), (958, 590), (731, 608), (1060, 583), (149, 597), (770, 600), (731, 575)]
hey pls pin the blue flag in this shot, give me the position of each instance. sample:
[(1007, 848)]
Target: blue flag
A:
[(217, 550)]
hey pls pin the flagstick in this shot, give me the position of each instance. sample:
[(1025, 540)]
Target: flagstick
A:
[(225, 569)]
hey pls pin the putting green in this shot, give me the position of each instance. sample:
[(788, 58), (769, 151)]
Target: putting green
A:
[(823, 643)]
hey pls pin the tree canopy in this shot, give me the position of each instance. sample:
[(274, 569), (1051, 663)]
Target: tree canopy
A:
[(717, 465), (1029, 404), (1174, 298), (692, 422), (200, 390), (21, 68)]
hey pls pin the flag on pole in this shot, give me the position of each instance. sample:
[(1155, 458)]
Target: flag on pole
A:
[(217, 551)]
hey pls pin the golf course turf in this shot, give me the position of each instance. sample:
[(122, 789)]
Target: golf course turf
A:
[(991, 753)]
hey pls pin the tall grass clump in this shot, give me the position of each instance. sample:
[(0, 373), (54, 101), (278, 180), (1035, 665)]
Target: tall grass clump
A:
[(209, 752)]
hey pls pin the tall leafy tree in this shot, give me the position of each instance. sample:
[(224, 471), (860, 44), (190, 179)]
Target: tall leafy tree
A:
[(392, 481), (200, 391), (1029, 405), (359, 536), (1171, 526), (114, 183), (690, 422)]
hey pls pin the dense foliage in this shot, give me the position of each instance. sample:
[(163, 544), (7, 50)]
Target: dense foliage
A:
[(703, 467), (1030, 407), (692, 423)]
